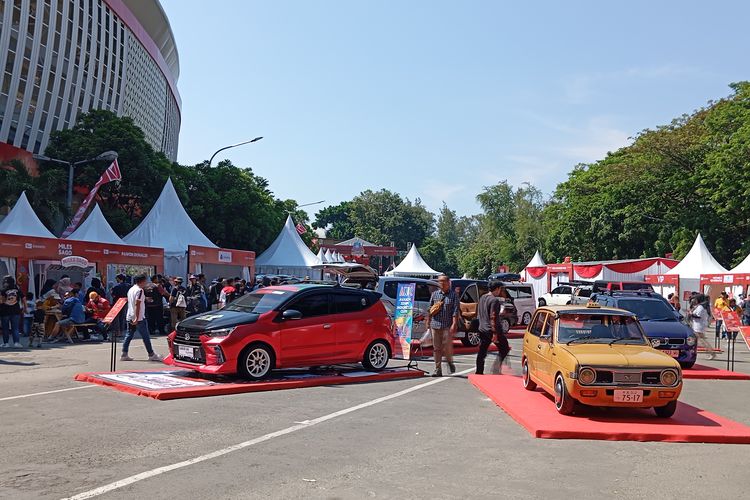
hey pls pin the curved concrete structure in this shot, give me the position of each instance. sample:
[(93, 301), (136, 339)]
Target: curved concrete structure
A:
[(59, 58)]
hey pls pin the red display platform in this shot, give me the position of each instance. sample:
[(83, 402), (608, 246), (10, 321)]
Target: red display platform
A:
[(709, 372), (536, 412), (178, 384)]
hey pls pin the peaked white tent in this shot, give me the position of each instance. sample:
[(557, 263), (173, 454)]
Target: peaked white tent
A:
[(96, 229), (22, 220), (742, 267), (322, 256), (168, 226), (535, 273), (328, 255), (288, 254), (413, 265)]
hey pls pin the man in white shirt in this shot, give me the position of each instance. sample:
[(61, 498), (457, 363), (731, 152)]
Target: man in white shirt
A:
[(699, 323), (136, 319)]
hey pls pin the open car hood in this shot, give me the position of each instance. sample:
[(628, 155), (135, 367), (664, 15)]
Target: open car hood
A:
[(351, 273)]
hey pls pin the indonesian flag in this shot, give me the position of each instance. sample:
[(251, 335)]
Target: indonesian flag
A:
[(300, 228), (111, 174)]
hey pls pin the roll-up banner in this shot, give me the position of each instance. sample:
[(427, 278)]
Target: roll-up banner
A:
[(403, 320)]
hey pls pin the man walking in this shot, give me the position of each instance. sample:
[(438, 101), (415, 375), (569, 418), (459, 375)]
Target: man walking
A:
[(155, 293), (488, 311), (177, 302), (136, 319), (442, 317)]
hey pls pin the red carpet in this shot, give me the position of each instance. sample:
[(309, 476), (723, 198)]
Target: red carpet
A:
[(709, 372), (178, 384), (536, 412)]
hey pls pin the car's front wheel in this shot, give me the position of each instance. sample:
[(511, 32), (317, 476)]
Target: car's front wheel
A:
[(563, 402), (256, 361), (667, 410), (526, 319), (471, 339), (504, 325), (376, 356), (542, 302), (528, 384), (687, 364)]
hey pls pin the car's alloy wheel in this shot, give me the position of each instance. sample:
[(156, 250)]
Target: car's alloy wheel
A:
[(528, 384), (526, 319), (666, 411), (542, 302), (376, 356), (504, 325), (563, 402), (473, 339), (257, 362)]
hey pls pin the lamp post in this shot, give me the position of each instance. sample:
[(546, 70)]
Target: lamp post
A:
[(232, 146), (107, 155)]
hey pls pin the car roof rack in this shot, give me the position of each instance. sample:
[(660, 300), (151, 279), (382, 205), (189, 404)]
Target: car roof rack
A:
[(642, 292)]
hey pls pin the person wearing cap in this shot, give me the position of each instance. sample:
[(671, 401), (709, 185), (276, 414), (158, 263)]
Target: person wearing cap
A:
[(488, 313), (178, 301), (98, 307), (194, 293)]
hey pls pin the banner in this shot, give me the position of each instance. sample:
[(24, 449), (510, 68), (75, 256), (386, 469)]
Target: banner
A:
[(111, 174), (403, 318), (745, 333), (731, 320), (112, 314)]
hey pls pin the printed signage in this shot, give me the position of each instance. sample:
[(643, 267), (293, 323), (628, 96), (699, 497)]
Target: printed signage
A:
[(745, 332), (731, 320), (403, 318), (225, 256), (112, 314), (153, 380), (74, 261)]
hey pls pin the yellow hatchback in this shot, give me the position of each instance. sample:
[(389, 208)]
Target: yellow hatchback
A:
[(598, 357)]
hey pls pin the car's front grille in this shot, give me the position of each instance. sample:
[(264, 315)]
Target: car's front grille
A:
[(609, 377), (670, 341), (651, 378), (603, 377), (188, 337)]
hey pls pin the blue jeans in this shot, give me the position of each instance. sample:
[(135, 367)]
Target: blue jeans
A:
[(9, 325), (27, 322), (142, 328)]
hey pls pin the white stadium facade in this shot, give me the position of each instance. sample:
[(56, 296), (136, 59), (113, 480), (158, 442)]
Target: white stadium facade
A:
[(60, 58)]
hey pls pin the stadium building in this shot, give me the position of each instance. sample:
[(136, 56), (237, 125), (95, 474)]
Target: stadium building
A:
[(60, 58)]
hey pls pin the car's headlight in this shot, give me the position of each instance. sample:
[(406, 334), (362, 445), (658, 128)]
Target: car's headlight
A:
[(668, 377), (587, 376), (224, 332), (690, 340)]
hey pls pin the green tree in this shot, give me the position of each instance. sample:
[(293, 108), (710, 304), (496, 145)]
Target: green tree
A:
[(335, 220)]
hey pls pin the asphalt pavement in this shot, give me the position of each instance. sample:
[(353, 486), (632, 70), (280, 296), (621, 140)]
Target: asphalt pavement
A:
[(418, 438)]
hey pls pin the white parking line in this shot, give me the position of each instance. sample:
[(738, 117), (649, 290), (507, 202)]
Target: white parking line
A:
[(267, 437), (21, 396)]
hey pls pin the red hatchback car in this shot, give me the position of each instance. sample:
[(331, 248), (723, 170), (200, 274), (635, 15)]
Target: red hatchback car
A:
[(283, 327)]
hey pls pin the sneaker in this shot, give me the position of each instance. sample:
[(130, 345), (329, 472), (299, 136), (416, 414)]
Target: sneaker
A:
[(154, 357), (3, 346), (18, 345), (437, 373), (125, 357), (452, 367)]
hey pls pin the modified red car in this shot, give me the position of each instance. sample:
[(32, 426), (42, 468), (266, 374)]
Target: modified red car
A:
[(283, 327)]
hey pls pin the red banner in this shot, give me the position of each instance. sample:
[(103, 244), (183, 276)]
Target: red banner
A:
[(536, 272), (731, 321), (112, 314), (111, 174), (745, 333), (588, 272)]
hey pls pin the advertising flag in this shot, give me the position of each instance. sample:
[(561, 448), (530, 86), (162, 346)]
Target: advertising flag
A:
[(402, 319), (111, 174), (300, 228)]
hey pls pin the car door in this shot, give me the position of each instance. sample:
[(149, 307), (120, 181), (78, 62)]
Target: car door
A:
[(353, 328), (545, 350), (556, 296), (310, 340), (531, 341), (469, 301)]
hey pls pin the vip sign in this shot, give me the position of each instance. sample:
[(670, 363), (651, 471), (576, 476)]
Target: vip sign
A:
[(225, 256)]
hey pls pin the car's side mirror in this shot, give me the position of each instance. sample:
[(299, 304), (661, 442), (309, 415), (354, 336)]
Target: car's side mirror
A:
[(291, 314)]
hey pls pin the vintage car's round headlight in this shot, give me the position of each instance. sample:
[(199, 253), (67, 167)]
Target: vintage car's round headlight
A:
[(690, 340), (655, 342), (668, 377), (586, 376)]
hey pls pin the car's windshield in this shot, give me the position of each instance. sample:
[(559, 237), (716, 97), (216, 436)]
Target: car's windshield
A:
[(258, 302), (598, 328), (648, 310)]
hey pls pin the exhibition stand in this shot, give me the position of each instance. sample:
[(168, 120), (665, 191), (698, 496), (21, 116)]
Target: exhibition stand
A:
[(215, 262)]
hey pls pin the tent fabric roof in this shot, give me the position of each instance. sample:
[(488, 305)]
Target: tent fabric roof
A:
[(96, 229), (23, 221), (742, 267), (537, 260), (356, 239), (413, 264), (288, 250), (322, 256), (168, 226), (697, 261)]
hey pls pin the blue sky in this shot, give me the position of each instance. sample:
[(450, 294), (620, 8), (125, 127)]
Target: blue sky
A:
[(436, 99)]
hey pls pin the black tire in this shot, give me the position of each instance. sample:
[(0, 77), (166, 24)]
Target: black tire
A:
[(542, 302), (376, 356), (526, 318), (666, 411), (471, 339), (687, 364), (563, 402), (504, 325), (528, 384), (256, 361)]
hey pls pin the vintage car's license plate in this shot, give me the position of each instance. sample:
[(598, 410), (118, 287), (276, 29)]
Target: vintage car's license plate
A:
[(186, 351), (623, 396), (675, 353)]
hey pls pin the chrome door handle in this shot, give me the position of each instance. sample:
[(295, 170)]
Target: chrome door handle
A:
[(327, 326)]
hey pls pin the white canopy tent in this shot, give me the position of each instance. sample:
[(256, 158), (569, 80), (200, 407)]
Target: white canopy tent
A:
[(288, 254), (96, 229), (697, 261), (413, 265), (535, 274), (328, 255), (322, 256), (23, 221), (168, 226)]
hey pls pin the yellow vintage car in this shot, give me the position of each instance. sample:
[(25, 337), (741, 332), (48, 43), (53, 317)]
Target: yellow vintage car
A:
[(598, 357)]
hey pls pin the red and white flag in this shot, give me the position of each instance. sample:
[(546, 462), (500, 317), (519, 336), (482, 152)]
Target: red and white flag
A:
[(300, 228), (111, 174)]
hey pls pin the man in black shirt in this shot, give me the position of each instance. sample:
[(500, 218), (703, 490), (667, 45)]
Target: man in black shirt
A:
[(488, 312), (120, 291)]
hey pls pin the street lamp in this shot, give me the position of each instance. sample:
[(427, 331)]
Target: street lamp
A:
[(107, 155), (232, 146)]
